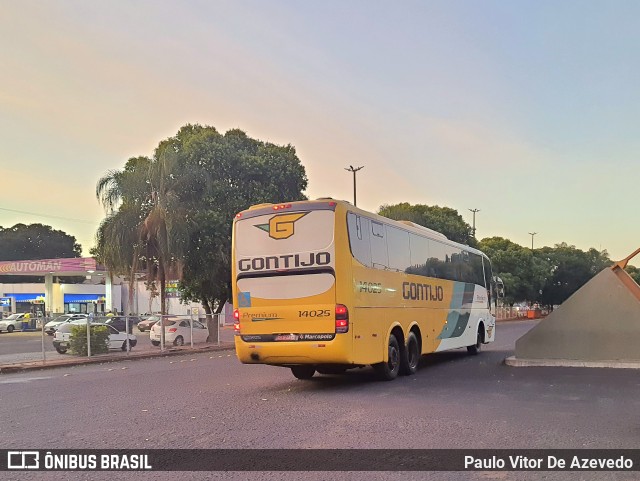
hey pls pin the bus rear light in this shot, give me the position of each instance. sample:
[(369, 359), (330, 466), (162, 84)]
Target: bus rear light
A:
[(238, 215), (342, 319), (236, 322), (282, 206)]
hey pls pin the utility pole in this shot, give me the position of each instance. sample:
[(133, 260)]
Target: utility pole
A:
[(474, 221), (354, 170), (532, 234)]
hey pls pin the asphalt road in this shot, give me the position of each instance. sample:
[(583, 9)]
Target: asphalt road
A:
[(212, 401)]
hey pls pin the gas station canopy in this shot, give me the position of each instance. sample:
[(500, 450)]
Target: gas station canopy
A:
[(76, 266)]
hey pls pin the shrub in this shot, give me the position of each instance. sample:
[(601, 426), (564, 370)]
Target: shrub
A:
[(99, 340)]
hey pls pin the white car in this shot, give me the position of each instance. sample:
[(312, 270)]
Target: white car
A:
[(51, 326), (117, 339), (178, 332), (11, 323)]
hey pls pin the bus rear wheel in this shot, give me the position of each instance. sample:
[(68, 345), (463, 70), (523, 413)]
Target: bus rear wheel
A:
[(303, 372), (388, 371), (411, 358)]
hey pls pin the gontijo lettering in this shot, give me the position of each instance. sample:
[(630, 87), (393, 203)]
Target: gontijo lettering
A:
[(422, 292), (288, 261)]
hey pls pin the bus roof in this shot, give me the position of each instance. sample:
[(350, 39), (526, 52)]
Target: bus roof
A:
[(405, 224)]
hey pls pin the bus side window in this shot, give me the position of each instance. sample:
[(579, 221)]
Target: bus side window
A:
[(398, 249), (379, 253), (358, 228)]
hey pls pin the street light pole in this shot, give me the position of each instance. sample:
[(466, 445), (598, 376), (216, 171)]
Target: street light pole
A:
[(354, 170), (532, 234), (474, 221)]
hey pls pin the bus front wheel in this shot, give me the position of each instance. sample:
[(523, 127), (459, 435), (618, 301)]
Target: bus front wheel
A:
[(388, 371), (477, 347), (303, 372)]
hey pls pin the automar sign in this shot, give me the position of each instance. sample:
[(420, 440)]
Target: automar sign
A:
[(48, 265)]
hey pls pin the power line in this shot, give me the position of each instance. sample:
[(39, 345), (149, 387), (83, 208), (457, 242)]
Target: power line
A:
[(49, 216)]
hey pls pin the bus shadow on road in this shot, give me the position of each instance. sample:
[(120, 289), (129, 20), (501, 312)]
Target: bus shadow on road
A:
[(430, 363)]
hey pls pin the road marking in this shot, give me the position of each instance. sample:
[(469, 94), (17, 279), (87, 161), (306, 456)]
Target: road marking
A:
[(23, 380)]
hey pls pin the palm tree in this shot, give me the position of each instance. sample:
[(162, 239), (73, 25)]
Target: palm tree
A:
[(148, 223), (124, 195)]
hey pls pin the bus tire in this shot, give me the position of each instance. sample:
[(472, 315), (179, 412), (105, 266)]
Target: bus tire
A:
[(388, 371), (477, 347), (304, 371), (411, 357)]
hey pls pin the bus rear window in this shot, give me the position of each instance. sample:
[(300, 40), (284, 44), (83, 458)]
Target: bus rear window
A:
[(287, 286)]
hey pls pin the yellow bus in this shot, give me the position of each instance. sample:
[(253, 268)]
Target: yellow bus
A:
[(322, 286)]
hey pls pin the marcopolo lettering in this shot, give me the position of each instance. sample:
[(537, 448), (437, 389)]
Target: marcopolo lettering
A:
[(422, 292), (286, 261)]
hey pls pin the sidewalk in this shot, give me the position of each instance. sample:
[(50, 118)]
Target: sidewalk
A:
[(111, 357)]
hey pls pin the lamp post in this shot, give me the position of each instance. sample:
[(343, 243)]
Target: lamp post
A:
[(474, 221), (532, 234), (354, 170)]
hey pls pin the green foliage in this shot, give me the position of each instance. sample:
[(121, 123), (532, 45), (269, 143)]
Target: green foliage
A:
[(99, 338), (522, 273), (35, 241), (634, 272), (172, 214), (241, 172), (441, 219), (570, 269), (548, 275)]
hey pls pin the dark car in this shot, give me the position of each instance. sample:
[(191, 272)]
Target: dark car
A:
[(146, 323), (120, 322)]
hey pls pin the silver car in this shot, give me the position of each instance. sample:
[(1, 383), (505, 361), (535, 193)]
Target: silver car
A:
[(51, 326), (11, 323)]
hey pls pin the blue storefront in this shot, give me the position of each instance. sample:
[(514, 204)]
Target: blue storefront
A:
[(84, 303), (28, 302)]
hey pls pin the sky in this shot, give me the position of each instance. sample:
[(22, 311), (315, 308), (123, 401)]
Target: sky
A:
[(526, 110)]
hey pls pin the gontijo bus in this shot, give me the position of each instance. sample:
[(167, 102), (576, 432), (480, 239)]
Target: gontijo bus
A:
[(324, 286)]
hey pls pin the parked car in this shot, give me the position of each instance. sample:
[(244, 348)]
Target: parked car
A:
[(147, 323), (117, 340), (11, 323), (178, 332), (51, 326), (120, 322)]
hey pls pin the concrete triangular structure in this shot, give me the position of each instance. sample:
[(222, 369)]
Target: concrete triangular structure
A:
[(599, 322)]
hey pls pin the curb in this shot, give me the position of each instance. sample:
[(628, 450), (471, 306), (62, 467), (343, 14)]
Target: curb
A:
[(515, 362), (106, 358)]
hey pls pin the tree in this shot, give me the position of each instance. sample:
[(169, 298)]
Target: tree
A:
[(570, 269), (126, 197), (442, 219), (243, 171), (173, 213), (634, 272), (522, 273), (35, 241)]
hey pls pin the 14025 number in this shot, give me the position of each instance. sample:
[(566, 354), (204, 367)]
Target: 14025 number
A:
[(315, 313)]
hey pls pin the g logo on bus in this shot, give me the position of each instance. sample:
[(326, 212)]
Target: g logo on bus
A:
[(281, 226)]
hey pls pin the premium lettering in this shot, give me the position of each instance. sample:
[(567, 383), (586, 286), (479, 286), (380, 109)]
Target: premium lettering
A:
[(287, 261)]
